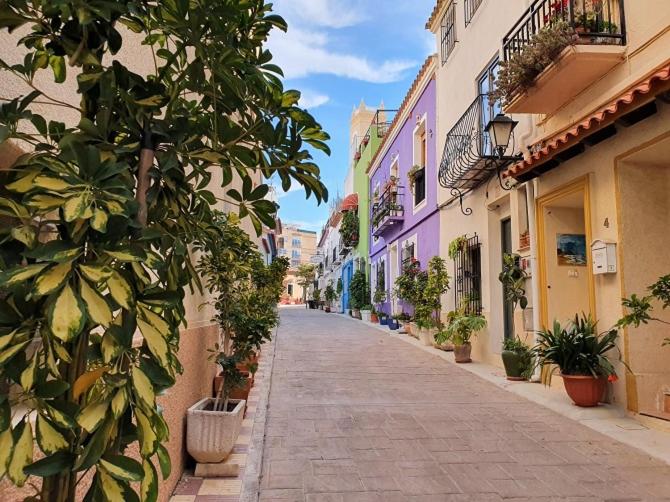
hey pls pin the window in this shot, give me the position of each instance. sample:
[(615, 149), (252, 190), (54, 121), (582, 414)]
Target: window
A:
[(295, 263), (334, 254), (282, 252), (490, 108), (471, 7), (468, 277), (280, 242), (296, 242), (295, 253), (407, 253), (448, 32), (381, 274), (290, 289), (420, 186)]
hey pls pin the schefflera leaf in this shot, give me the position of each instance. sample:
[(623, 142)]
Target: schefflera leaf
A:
[(48, 438), (52, 279), (96, 305), (66, 315), (22, 454)]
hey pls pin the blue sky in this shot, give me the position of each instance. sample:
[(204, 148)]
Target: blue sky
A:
[(336, 53)]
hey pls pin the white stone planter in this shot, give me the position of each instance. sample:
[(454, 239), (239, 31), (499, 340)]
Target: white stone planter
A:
[(365, 315), (211, 435), (426, 337)]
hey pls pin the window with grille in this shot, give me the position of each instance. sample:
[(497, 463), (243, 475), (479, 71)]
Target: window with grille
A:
[(420, 186), (471, 7), (407, 254), (448, 32), (468, 277), (334, 254)]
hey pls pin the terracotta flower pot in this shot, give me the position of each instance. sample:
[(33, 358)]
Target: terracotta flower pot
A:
[(374, 318), (240, 392), (462, 353), (211, 435), (585, 391)]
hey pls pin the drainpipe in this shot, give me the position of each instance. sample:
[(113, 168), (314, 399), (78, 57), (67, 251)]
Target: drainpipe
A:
[(531, 190)]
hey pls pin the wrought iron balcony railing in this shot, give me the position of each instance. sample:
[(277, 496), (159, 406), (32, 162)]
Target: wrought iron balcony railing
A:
[(469, 158), (379, 127), (595, 21), (387, 210)]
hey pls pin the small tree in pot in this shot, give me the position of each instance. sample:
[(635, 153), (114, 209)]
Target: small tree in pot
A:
[(405, 287), (437, 284), (580, 353), (330, 295), (515, 353), (380, 297), (359, 294), (338, 291)]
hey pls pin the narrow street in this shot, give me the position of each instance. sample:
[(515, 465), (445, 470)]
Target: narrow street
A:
[(357, 415)]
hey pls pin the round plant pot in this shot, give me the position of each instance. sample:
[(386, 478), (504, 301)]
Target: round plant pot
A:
[(405, 327), (238, 393), (374, 318), (514, 365), (585, 391), (211, 435), (356, 313), (425, 337), (327, 310), (447, 346), (462, 353), (365, 315), (383, 320), (393, 324)]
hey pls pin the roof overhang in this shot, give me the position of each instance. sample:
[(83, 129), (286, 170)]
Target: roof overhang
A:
[(630, 106)]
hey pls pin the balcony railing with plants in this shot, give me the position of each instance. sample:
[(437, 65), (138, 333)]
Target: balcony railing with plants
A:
[(541, 35), (379, 127), (387, 208), (349, 230)]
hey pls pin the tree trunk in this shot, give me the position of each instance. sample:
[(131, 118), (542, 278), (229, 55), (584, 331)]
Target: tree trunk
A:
[(147, 156)]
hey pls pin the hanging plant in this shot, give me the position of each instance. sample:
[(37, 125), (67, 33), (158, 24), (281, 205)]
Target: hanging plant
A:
[(411, 176), (456, 246), (349, 229)]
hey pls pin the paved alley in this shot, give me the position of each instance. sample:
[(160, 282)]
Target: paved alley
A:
[(356, 415)]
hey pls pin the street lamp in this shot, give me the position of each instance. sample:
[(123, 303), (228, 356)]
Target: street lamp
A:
[(500, 130)]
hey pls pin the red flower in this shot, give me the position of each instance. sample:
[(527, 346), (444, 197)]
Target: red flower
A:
[(612, 378)]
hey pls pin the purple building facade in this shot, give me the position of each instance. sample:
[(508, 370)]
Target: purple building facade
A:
[(404, 218)]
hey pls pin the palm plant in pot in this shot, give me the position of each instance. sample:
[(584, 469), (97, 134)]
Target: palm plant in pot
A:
[(580, 353), (515, 353), (461, 327)]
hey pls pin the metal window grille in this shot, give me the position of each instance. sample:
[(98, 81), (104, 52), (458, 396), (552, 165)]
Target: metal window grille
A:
[(468, 277), (471, 7), (448, 32)]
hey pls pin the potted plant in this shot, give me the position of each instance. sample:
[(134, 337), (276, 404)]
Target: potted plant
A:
[(456, 246), (517, 358), (460, 328), (358, 293), (213, 424), (330, 296), (338, 293), (406, 290), (513, 279), (373, 315), (366, 312), (403, 321), (393, 322), (437, 284), (379, 298), (581, 355), (316, 297)]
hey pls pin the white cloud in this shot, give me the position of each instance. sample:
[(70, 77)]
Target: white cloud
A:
[(326, 13), (306, 225), (311, 99), (302, 52)]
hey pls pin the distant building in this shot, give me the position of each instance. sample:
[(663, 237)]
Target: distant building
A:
[(299, 246)]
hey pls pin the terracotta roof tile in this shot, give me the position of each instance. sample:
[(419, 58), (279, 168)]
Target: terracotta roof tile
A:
[(350, 202), (603, 115), (436, 10)]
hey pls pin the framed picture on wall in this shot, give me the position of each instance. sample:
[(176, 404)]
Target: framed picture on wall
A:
[(571, 249)]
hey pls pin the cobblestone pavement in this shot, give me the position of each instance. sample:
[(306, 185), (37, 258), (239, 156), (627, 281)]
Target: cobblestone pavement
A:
[(356, 416)]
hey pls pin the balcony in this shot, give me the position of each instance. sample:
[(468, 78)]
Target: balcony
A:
[(379, 128), (469, 159), (387, 211), (595, 31)]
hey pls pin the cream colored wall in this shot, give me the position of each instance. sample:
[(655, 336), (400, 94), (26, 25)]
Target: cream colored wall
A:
[(645, 243), (567, 285), (478, 44)]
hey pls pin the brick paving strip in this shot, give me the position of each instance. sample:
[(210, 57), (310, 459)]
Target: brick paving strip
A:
[(355, 415)]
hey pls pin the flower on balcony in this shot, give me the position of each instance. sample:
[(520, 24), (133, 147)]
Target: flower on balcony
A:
[(519, 72), (357, 156)]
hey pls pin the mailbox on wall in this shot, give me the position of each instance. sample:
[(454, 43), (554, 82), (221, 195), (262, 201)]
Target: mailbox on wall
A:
[(603, 255)]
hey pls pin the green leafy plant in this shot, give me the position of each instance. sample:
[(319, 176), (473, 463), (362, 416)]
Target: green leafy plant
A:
[(456, 246), (349, 229), (316, 295), (105, 210), (437, 284), (639, 308), (513, 279), (518, 73), (305, 276), (411, 175), (359, 291), (380, 294), (330, 294), (577, 349), (460, 327), (519, 347)]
